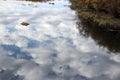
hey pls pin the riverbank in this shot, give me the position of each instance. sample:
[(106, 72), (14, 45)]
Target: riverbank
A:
[(99, 18)]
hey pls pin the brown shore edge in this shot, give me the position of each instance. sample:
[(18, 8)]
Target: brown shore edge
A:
[(100, 19)]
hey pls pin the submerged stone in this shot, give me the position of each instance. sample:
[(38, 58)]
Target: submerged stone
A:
[(25, 23)]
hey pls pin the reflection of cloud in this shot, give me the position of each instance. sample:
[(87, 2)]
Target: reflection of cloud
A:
[(16, 52), (58, 51), (8, 66)]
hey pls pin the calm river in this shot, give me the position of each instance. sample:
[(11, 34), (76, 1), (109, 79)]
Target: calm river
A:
[(54, 45)]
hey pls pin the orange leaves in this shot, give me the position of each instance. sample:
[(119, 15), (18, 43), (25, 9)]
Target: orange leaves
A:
[(110, 6)]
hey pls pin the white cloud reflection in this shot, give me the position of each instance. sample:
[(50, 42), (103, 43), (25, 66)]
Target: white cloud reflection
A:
[(50, 48)]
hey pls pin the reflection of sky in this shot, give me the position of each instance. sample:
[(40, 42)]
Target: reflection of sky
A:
[(50, 48), (26, 6)]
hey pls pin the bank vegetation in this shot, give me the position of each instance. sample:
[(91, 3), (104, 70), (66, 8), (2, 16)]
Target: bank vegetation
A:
[(103, 13)]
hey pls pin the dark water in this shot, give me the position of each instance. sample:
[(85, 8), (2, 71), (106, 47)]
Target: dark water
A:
[(54, 45)]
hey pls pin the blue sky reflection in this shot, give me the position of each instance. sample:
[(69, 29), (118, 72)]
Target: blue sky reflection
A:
[(51, 47)]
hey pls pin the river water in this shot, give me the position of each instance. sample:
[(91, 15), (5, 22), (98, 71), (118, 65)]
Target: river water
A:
[(54, 45)]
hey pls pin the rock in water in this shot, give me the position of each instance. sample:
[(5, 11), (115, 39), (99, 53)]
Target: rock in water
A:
[(25, 23)]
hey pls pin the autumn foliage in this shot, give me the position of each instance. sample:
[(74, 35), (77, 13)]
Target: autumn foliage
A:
[(107, 6)]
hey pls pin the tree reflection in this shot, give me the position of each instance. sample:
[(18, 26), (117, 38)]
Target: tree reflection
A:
[(106, 39)]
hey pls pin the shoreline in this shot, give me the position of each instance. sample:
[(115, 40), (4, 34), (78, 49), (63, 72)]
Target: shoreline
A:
[(100, 19)]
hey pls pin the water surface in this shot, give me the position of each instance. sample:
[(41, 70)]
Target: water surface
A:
[(55, 45)]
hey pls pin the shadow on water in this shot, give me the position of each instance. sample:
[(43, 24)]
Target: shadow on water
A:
[(105, 39)]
